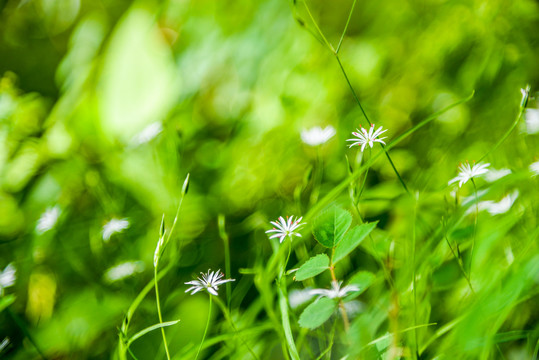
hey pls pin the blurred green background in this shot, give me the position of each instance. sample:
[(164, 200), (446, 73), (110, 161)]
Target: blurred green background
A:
[(105, 106)]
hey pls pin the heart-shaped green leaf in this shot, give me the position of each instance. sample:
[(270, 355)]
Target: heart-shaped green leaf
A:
[(317, 313), (331, 225), (313, 267), (352, 239)]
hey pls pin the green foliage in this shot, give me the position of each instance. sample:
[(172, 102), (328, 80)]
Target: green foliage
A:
[(312, 267), (352, 240), (362, 280), (105, 107), (317, 313), (331, 225)]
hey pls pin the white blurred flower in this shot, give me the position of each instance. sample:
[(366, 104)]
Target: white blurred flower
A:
[(353, 307), (364, 137), (496, 208), (336, 291), (532, 121), (468, 172), (284, 228), (494, 174), (123, 270), (114, 226), (4, 344), (7, 277), (534, 168), (297, 297), (209, 282), (48, 219), (317, 136), (147, 134)]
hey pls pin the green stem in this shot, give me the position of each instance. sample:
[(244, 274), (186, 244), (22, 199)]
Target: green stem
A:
[(515, 123), (474, 227), (285, 320), (414, 279), (226, 313), (226, 243), (326, 42), (26, 332), (346, 27), (459, 262), (159, 311), (206, 329)]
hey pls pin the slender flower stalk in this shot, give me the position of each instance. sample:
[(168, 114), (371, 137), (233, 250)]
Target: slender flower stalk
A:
[(206, 328), (364, 138), (285, 228)]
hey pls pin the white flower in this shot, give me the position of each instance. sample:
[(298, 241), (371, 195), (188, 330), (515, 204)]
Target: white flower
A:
[(534, 168), (532, 121), (496, 208), (364, 137), (298, 297), (468, 172), (147, 134), (317, 136), (284, 228), (336, 291), (114, 226), (7, 277), (4, 344), (209, 281), (494, 174), (123, 270), (48, 219)]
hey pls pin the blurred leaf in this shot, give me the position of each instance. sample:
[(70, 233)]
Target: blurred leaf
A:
[(151, 328), (352, 239), (312, 267), (317, 313), (5, 301), (138, 78), (330, 226), (363, 280)]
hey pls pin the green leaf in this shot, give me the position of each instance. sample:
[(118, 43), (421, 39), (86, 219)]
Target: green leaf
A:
[(317, 313), (330, 226), (313, 267), (139, 82), (363, 280), (352, 239), (5, 301), (150, 328)]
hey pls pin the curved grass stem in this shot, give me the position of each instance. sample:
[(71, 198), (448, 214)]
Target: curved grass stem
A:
[(159, 313), (206, 328), (474, 228)]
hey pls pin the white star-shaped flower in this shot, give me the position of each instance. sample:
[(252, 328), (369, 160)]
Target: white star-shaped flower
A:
[(317, 136), (370, 137), (284, 228), (114, 226), (336, 292), (468, 172), (209, 282)]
